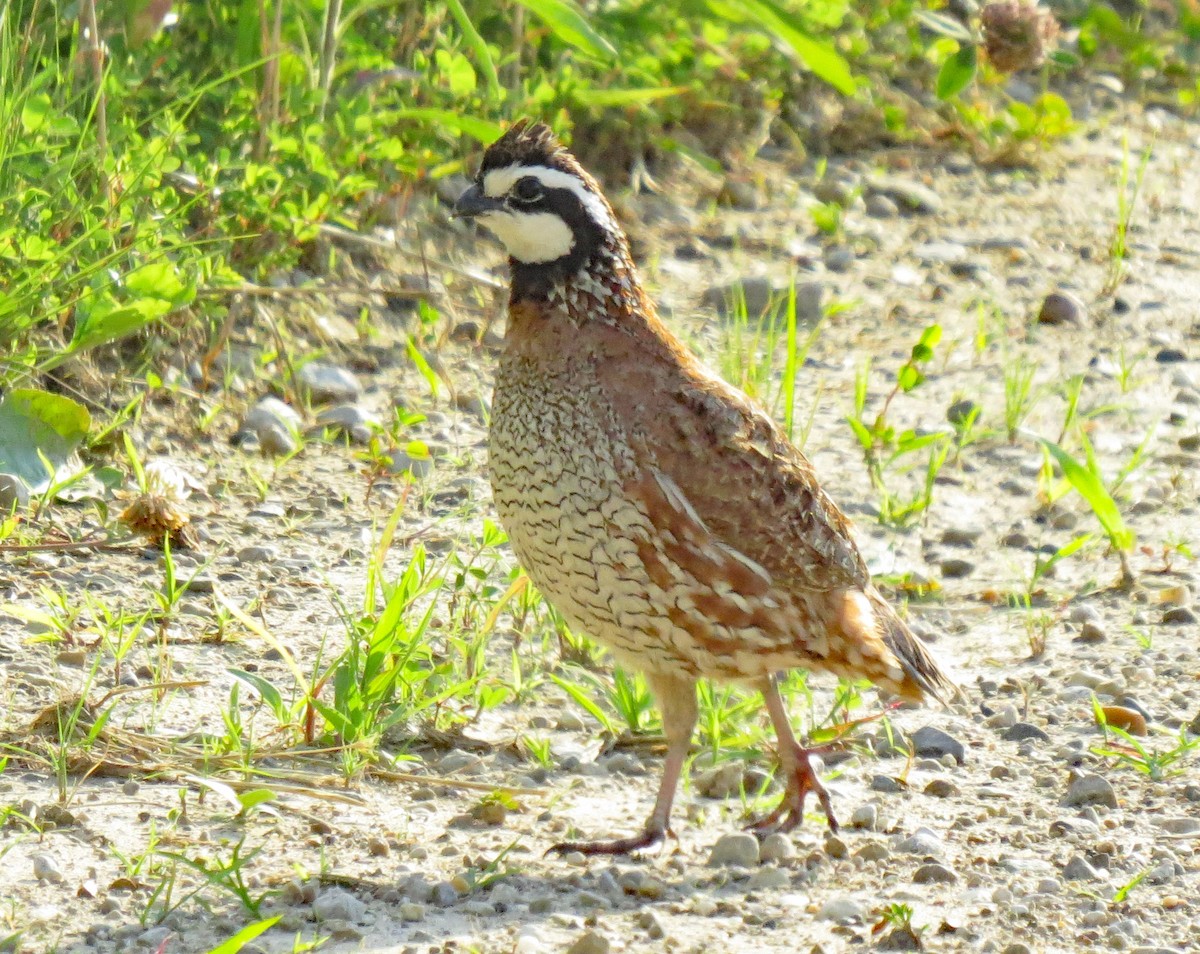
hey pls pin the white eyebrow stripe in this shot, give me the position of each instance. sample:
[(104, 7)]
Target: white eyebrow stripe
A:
[(497, 182)]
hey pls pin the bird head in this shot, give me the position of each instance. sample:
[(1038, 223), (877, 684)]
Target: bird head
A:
[(539, 202)]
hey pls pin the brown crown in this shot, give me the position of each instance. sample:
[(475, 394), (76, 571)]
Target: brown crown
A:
[(530, 144)]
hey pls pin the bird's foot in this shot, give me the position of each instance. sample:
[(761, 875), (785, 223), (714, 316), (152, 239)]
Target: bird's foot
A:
[(649, 837), (789, 813)]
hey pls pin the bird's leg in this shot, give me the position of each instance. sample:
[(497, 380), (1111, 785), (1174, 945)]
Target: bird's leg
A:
[(677, 699), (796, 767)]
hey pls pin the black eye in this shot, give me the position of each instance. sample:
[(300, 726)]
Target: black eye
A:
[(528, 189)]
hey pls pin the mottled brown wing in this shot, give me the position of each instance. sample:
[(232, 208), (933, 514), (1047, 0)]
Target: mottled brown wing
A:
[(754, 491)]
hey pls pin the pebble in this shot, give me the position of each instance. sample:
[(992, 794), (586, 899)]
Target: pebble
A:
[(768, 878), (155, 938), (842, 909), (13, 492), (1125, 718), (934, 874), (921, 842), (1088, 680), (444, 894), (592, 942), (412, 911), (361, 425), (940, 252), (326, 383), (908, 195), (1062, 308), (401, 462), (776, 847), (569, 722), (736, 848), (1183, 825), (1178, 616), (873, 851), (273, 424), (335, 903), (885, 783), (45, 868), (1078, 869), (962, 535), (865, 816), (257, 554), (1091, 790), (838, 258), (931, 741), (941, 788), (1020, 731), (955, 568), (651, 923), (880, 206), (1091, 633)]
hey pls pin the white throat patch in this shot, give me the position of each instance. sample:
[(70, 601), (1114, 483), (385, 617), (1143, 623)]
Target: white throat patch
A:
[(531, 237)]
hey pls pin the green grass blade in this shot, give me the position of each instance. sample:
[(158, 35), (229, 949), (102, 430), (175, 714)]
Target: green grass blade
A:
[(824, 61), (479, 48), (1086, 481), (570, 24)]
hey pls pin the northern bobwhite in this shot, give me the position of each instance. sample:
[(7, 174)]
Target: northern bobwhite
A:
[(659, 509)]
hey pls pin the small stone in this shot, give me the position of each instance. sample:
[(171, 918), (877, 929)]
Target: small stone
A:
[(13, 492), (736, 848), (1078, 869), (412, 911), (569, 722), (908, 195), (326, 383), (885, 783), (842, 909), (444, 894), (1180, 826), (955, 568), (1087, 680), (1179, 616), (156, 938), (1091, 790), (933, 742), (962, 536), (835, 847), (880, 206), (360, 425), (257, 554), (874, 851), (1170, 356), (941, 788), (399, 461), (838, 258), (1091, 633), (1124, 718), (921, 842), (45, 868), (865, 816), (963, 412), (378, 847), (593, 942), (1021, 731), (768, 878), (1062, 308), (934, 874), (1017, 947), (335, 903), (776, 847)]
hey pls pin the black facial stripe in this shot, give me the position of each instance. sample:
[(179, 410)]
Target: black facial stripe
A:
[(533, 279)]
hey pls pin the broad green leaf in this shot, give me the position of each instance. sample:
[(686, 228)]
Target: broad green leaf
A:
[(824, 61), (269, 694), (245, 936), (957, 72), (36, 429), (252, 799), (160, 280), (1087, 482), (570, 24)]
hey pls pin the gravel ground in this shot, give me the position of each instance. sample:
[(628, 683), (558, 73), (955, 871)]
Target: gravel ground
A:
[(994, 821)]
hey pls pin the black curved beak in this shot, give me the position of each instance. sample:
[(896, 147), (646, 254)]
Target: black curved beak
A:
[(473, 202)]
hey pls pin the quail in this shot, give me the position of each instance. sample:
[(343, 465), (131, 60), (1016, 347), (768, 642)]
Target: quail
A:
[(659, 509)]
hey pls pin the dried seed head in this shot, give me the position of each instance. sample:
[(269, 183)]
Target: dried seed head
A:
[(1017, 34), (158, 510)]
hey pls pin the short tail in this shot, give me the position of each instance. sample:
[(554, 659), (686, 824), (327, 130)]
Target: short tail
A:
[(924, 676)]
